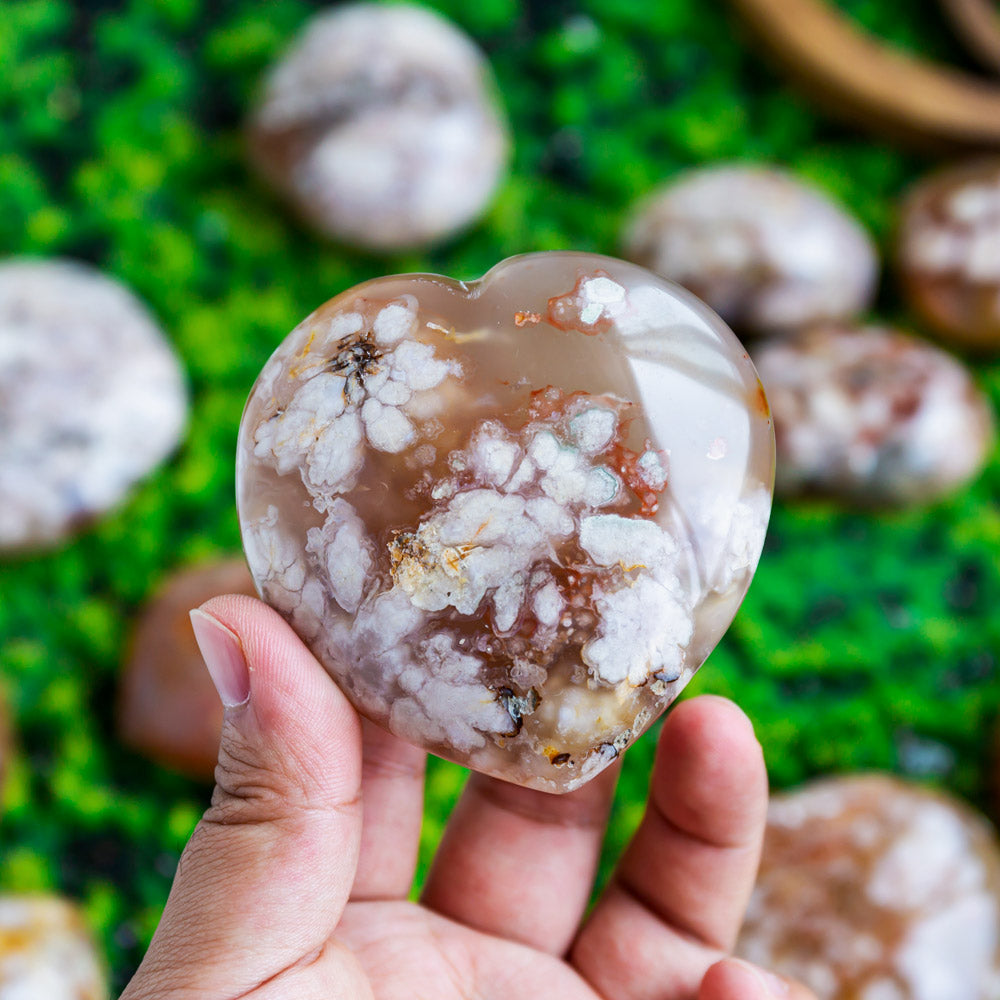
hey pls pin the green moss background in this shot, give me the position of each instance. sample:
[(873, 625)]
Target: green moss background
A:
[(866, 642)]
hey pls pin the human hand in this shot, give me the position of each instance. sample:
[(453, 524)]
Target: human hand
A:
[(294, 885)]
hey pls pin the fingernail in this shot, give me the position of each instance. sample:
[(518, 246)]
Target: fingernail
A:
[(223, 655), (773, 986)]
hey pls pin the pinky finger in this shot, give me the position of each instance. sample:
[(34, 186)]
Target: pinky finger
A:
[(734, 979)]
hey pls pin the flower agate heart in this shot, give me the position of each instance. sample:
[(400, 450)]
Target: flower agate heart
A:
[(510, 517)]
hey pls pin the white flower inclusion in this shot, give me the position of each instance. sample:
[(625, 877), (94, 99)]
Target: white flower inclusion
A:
[(323, 429), (963, 238), (532, 493)]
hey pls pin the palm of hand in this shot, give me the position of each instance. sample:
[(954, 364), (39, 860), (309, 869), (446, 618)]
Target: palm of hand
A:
[(403, 951), (295, 883)]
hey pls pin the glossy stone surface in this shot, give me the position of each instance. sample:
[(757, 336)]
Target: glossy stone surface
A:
[(168, 708), (382, 126), (91, 397), (512, 517), (46, 952), (949, 253), (873, 889), (763, 249), (872, 415)]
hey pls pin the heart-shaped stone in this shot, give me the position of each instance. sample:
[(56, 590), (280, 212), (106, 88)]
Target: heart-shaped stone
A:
[(511, 517)]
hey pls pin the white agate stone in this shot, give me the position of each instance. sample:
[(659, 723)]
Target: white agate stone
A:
[(763, 249), (92, 398), (382, 126), (874, 889), (872, 415), (46, 953)]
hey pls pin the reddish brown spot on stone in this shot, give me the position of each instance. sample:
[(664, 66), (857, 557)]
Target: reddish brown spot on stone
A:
[(549, 401), (526, 318), (760, 403), (625, 462), (564, 312)]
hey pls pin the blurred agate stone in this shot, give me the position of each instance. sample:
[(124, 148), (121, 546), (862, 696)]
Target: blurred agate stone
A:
[(949, 253), (872, 415), (764, 250), (92, 398), (46, 952), (513, 516), (874, 889), (382, 126), (168, 707)]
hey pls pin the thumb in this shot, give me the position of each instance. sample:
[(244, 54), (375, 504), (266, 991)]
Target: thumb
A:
[(267, 872), (734, 979)]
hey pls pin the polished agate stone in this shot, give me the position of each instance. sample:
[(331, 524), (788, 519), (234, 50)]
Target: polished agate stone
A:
[(874, 889), (949, 253), (872, 415), (766, 251), (513, 516), (382, 126), (46, 952), (92, 398), (168, 707)]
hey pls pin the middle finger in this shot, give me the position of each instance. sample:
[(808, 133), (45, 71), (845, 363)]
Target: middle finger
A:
[(519, 863)]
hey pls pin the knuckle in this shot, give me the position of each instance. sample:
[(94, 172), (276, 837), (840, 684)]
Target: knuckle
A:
[(255, 783), (248, 787)]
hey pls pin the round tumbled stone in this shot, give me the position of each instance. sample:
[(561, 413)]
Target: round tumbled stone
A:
[(512, 516), (46, 952), (873, 889), (766, 251), (168, 707), (91, 398), (382, 126), (949, 253), (872, 415)]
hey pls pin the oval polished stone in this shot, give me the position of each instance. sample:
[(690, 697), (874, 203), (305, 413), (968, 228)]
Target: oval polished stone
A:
[(46, 951), (870, 888), (168, 707), (763, 249), (382, 125), (949, 253), (513, 516), (872, 415), (92, 397)]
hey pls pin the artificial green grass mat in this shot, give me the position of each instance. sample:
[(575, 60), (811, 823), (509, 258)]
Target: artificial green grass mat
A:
[(866, 642)]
